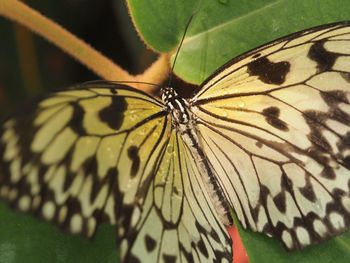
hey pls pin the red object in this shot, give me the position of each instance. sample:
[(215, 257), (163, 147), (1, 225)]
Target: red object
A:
[(239, 253)]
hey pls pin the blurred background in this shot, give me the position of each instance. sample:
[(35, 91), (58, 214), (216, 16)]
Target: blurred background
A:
[(29, 65)]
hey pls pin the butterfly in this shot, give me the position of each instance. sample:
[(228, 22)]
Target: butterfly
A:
[(267, 136)]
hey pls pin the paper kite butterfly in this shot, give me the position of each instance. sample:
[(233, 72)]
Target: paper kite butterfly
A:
[(266, 136)]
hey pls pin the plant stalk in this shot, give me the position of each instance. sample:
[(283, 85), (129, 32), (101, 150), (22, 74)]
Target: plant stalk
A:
[(102, 66)]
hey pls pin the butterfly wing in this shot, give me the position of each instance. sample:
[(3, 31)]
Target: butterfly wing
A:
[(62, 159), (275, 125), (178, 222), (106, 152)]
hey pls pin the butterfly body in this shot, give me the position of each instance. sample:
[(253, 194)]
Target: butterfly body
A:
[(267, 136), (184, 123)]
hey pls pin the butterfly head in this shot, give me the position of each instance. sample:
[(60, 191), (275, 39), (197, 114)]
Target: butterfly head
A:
[(177, 106)]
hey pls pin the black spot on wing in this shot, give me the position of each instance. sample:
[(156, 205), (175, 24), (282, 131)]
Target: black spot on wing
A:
[(133, 259), (328, 173), (340, 116), (169, 259), (319, 142), (256, 55), (176, 191), (105, 179), (320, 146), (334, 97), (272, 117), (347, 162), (133, 154), (307, 191), (113, 91), (324, 59), (345, 76), (280, 201), (186, 255), (113, 114), (202, 248), (315, 117), (269, 72), (259, 144), (344, 144), (26, 131), (76, 123), (150, 243)]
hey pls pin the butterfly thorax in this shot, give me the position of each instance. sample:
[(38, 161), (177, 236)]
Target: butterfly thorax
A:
[(184, 123), (177, 106)]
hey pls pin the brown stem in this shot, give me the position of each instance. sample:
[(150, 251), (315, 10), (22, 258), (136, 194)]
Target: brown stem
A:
[(156, 73), (78, 49)]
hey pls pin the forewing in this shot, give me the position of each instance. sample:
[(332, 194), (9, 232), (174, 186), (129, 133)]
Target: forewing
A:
[(176, 222), (77, 154), (274, 124)]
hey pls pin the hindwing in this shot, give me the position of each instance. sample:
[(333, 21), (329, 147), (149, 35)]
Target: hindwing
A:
[(275, 125)]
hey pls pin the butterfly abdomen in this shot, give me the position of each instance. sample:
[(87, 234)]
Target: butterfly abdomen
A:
[(214, 189), (184, 124)]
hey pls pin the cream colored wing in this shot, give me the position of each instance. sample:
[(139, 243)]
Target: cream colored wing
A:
[(75, 155), (176, 222), (275, 125), (105, 152)]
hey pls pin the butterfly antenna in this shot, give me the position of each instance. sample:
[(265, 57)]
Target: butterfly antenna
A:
[(178, 49)]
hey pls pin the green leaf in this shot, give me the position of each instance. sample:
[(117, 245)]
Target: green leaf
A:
[(263, 249), (161, 23), (26, 239), (223, 29), (219, 31)]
